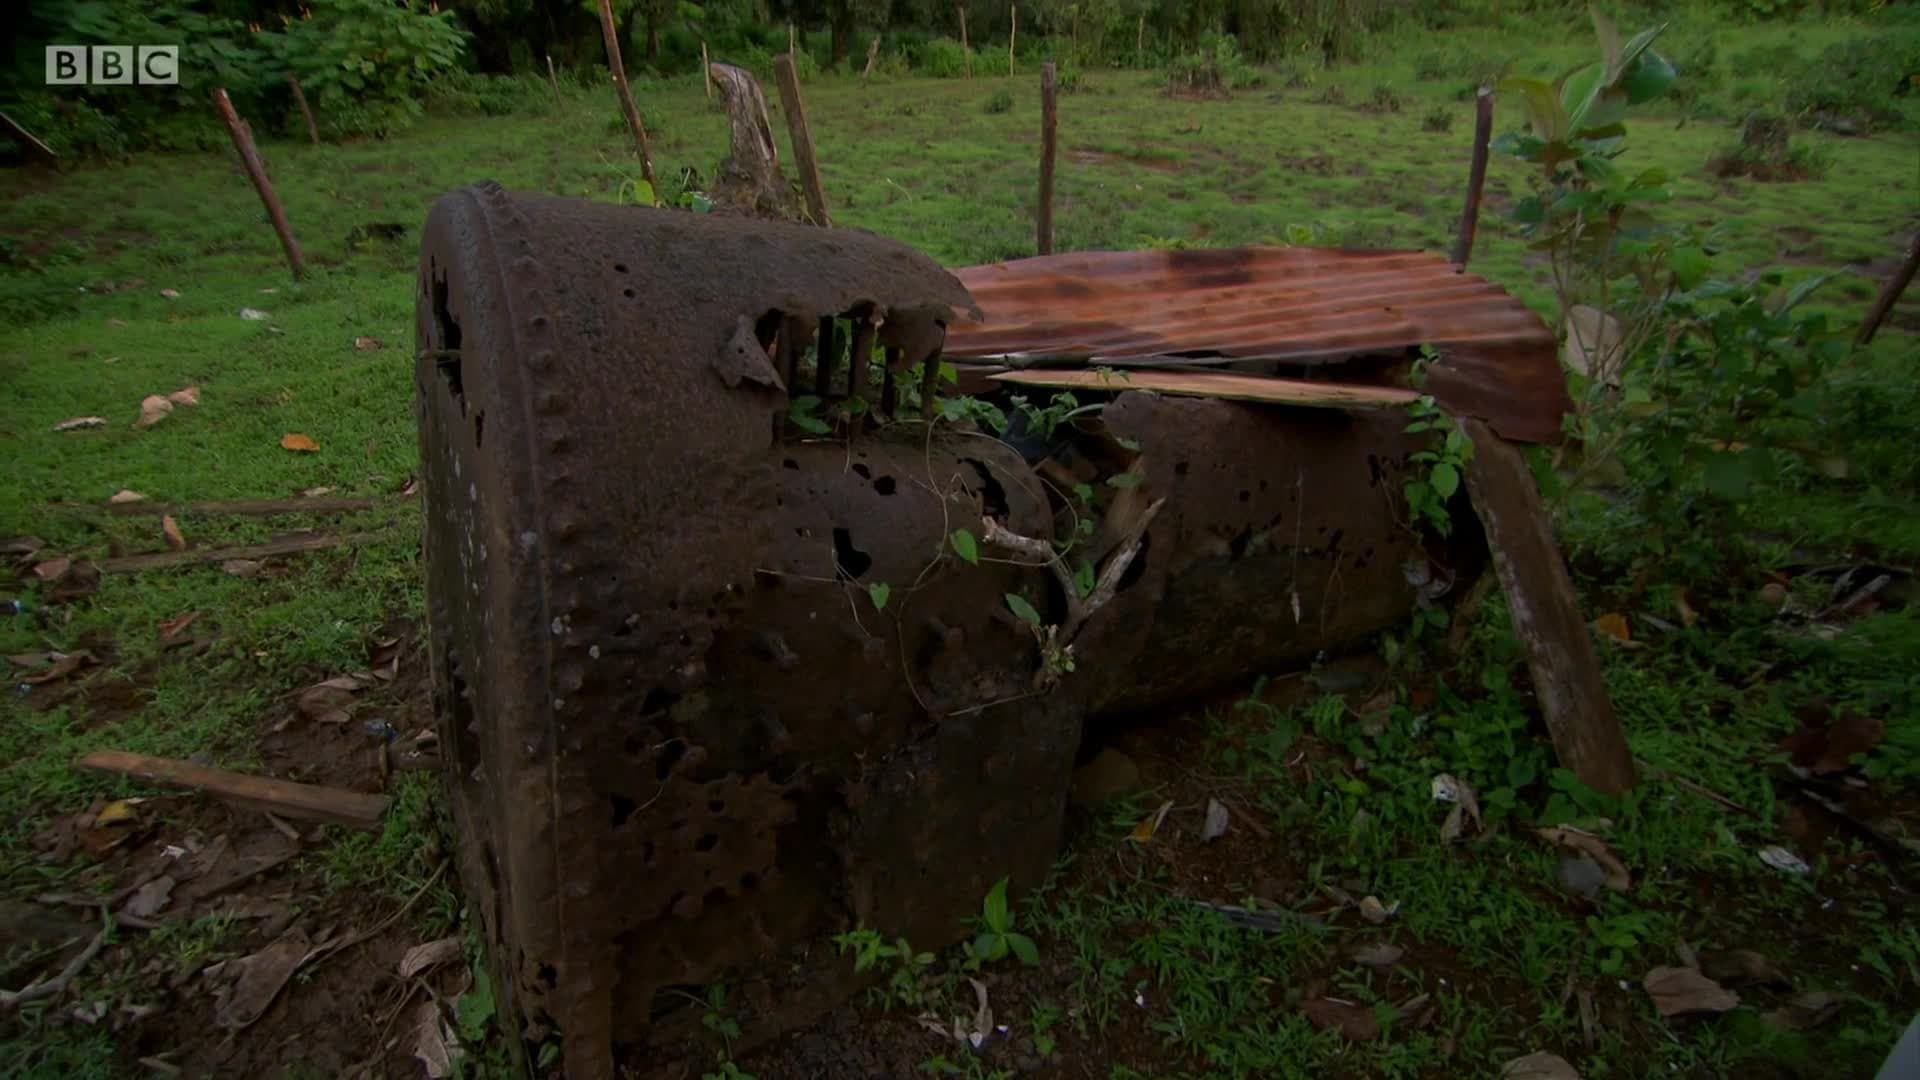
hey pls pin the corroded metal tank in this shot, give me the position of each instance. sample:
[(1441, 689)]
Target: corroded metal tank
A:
[(687, 739)]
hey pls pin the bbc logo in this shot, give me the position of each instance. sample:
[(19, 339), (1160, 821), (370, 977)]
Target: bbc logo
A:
[(113, 65)]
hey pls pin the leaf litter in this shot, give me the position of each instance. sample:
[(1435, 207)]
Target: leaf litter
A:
[(1679, 991), (1617, 876)]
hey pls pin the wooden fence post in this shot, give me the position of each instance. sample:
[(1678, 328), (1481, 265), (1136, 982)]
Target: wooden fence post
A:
[(803, 157), (1049, 123), (1013, 34), (300, 99), (1476, 175), (250, 158), (553, 80), (611, 35), (706, 70), (1890, 293), (966, 51), (34, 147), (873, 53)]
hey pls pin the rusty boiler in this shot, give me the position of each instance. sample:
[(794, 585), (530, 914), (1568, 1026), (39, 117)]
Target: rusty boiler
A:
[(717, 677)]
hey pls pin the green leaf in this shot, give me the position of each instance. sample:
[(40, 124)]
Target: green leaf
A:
[(1647, 78), (1084, 579), (1805, 288), (1543, 109), (1609, 36), (1689, 265), (1124, 480), (1728, 475), (1632, 51), (1446, 480), (1019, 606), (1084, 492), (994, 910), (1130, 444), (1579, 89), (965, 546), (983, 945), (1024, 948), (1456, 441), (878, 592)]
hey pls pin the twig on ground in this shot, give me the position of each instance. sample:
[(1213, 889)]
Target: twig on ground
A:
[(1655, 772), (10, 999), (333, 948)]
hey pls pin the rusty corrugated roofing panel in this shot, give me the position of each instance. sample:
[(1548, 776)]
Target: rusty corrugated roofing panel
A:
[(1293, 306)]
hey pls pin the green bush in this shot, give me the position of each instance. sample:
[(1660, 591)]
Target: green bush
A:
[(1216, 66), (1000, 101), (1438, 119), (1856, 83), (365, 63)]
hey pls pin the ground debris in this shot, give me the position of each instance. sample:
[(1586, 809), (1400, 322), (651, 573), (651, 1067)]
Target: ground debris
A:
[(304, 801), (1741, 965), (1677, 991), (1617, 877), (429, 955), (1353, 1021), (246, 987), (1806, 1011), (1217, 820), (1539, 1065), (1378, 954)]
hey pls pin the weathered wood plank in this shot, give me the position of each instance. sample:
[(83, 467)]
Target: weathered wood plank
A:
[(1546, 614), (308, 802), (162, 560), (1219, 384)]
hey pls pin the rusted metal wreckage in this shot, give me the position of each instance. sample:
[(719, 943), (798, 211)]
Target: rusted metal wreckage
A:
[(686, 743)]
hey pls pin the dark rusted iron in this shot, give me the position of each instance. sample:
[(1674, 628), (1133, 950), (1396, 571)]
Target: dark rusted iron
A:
[(683, 744), (1339, 315)]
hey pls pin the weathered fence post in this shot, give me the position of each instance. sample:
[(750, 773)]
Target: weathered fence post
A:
[(803, 157), (1013, 33), (553, 80), (611, 35), (1049, 123), (706, 70), (966, 50), (873, 53), (306, 113), (1476, 175), (34, 147), (1890, 293), (250, 158)]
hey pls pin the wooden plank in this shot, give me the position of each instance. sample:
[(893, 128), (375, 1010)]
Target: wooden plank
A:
[(294, 546), (1220, 384), (319, 504), (308, 802), (1546, 614)]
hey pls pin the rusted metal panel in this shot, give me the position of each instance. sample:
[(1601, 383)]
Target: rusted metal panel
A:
[(1279, 311), (684, 745)]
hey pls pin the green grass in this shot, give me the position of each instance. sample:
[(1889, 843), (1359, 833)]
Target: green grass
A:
[(943, 165)]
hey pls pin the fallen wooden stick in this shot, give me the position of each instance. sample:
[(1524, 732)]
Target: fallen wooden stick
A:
[(308, 802), (162, 560), (13, 998), (259, 507)]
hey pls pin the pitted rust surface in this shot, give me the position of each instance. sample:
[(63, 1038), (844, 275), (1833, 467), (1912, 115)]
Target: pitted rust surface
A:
[(684, 744)]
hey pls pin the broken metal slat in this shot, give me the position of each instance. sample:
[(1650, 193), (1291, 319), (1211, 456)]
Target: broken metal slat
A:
[(1223, 385)]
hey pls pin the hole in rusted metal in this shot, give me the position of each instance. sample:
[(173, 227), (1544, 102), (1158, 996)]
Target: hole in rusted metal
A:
[(628, 293), (479, 423), (884, 485), (716, 806), (658, 700), (1245, 496), (619, 268), (862, 472), (707, 842), (623, 809), (993, 496), (549, 976), (670, 756), (1137, 567), (850, 560), (1180, 468), (789, 463), (1237, 547), (749, 880)]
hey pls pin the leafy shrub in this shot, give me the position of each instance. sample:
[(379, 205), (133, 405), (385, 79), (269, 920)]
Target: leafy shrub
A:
[(1384, 100), (1000, 101), (1438, 119), (365, 63), (1766, 151), (1215, 67), (940, 58), (1862, 83), (489, 95)]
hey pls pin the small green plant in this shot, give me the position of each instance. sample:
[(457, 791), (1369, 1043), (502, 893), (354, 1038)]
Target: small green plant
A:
[(1429, 490), (906, 984), (997, 936), (1439, 119), (999, 101)]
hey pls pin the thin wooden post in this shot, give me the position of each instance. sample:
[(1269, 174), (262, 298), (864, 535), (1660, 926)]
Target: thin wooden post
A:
[(706, 70), (873, 53), (1013, 34), (33, 146), (1476, 175), (1049, 121), (803, 156), (790, 39), (553, 80), (1140, 43), (1890, 293), (250, 157), (300, 99), (966, 51), (1546, 614), (611, 35)]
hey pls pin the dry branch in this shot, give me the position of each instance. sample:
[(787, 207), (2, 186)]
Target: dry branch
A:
[(803, 156), (257, 172), (1476, 175), (1049, 126), (308, 802), (306, 111), (14, 998), (294, 546), (611, 36)]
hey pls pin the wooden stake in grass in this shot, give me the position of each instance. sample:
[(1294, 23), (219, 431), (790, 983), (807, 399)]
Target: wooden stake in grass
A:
[(250, 157), (1476, 175), (873, 53), (553, 80), (1890, 293), (1049, 122), (1140, 43), (803, 156), (1013, 33), (966, 51), (611, 35), (20, 135), (306, 113), (706, 70)]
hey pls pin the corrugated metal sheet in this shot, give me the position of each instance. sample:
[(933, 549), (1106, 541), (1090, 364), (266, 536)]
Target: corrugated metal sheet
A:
[(1291, 306)]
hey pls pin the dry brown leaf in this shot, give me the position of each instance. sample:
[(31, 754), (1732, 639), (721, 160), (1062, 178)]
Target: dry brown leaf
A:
[(1740, 965), (80, 423), (331, 702), (1614, 625), (171, 529), (1688, 616), (61, 668), (411, 487), (1355, 1022), (252, 982), (186, 395), (429, 955), (316, 492), (153, 409), (368, 344), (53, 569), (125, 495), (170, 628), (1378, 954), (149, 899), (240, 567), (31, 660), (1375, 912), (1538, 1066), (1217, 820), (298, 443), (1677, 991), (435, 1046), (1150, 824), (1619, 878)]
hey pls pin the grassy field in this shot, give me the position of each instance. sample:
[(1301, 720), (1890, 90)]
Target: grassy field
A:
[(1497, 959)]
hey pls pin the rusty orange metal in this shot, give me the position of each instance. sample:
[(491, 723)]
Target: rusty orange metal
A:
[(1302, 312)]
